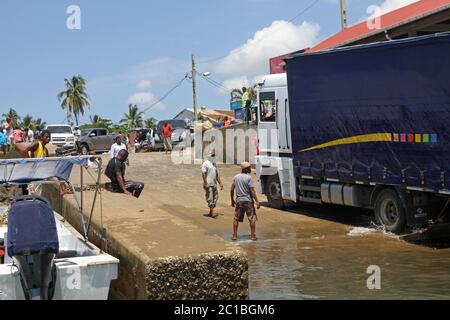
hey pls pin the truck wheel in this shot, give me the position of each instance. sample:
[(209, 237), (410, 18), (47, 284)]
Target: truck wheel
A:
[(273, 193), (389, 211), (84, 150)]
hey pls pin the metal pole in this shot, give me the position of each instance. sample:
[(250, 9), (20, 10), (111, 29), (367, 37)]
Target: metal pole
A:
[(81, 183), (344, 14), (97, 187), (194, 87)]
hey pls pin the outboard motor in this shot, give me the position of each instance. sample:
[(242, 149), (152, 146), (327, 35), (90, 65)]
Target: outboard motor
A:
[(32, 242)]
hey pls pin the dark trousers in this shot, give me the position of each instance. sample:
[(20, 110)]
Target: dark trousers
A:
[(134, 187)]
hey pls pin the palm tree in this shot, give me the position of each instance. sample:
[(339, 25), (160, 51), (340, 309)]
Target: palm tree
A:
[(150, 123), (74, 98), (27, 121), (13, 115), (38, 124), (236, 94), (134, 118), (99, 122), (119, 128)]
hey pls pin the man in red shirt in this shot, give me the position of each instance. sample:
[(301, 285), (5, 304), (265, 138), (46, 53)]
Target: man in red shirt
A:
[(167, 135)]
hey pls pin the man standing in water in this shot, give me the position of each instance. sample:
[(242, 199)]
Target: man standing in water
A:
[(246, 198)]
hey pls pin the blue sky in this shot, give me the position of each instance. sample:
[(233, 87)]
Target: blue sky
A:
[(136, 50)]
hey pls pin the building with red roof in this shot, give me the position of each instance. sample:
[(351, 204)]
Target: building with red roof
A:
[(420, 18)]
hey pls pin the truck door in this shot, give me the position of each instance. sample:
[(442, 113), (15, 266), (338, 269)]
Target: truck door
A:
[(267, 122), (283, 121)]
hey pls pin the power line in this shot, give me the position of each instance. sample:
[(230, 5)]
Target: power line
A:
[(310, 6), (177, 85), (215, 83)]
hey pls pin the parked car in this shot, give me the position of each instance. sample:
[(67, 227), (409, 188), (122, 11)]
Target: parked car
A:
[(95, 140), (62, 136), (182, 131)]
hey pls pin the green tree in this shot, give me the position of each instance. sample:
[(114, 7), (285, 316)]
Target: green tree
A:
[(133, 119), (150, 123), (74, 98), (27, 121), (236, 94), (38, 124), (99, 122), (119, 128), (14, 117)]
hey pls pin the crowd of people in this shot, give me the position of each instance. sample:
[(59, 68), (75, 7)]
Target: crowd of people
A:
[(10, 136)]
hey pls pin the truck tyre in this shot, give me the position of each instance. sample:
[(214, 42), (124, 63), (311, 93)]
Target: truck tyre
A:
[(84, 150), (389, 211), (273, 192)]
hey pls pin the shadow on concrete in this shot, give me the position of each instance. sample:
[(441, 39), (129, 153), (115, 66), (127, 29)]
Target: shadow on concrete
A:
[(355, 217)]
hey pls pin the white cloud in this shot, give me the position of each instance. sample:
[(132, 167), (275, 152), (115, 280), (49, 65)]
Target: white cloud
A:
[(159, 71), (144, 85), (242, 81), (387, 6), (144, 100), (281, 37)]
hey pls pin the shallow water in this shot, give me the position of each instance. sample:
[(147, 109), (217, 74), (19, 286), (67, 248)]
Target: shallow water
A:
[(328, 259)]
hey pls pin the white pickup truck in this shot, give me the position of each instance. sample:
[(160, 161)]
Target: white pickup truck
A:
[(62, 136)]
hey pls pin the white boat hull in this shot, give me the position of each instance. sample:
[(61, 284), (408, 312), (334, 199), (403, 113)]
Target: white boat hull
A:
[(86, 276)]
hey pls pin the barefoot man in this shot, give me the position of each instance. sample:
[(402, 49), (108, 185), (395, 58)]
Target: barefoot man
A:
[(211, 177), (246, 198)]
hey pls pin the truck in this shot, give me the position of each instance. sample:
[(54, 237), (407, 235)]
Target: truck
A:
[(62, 136), (95, 140), (365, 126)]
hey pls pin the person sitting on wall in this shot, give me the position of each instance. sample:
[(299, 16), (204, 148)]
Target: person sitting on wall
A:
[(115, 171)]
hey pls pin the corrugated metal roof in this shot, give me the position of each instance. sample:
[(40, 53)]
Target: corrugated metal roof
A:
[(389, 20)]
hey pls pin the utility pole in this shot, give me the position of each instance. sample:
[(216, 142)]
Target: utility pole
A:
[(344, 14), (194, 87)]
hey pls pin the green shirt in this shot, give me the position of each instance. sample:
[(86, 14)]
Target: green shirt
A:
[(245, 98)]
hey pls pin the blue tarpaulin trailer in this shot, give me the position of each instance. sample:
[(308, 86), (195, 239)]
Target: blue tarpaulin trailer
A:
[(378, 113), (364, 126)]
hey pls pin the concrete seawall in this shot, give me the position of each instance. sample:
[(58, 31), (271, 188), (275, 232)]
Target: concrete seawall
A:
[(155, 265)]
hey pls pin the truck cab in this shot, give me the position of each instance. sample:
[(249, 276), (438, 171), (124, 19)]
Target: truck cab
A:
[(61, 135), (274, 164)]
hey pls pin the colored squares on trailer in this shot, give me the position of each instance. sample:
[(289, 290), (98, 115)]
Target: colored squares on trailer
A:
[(396, 137), (434, 138), (402, 137), (415, 138)]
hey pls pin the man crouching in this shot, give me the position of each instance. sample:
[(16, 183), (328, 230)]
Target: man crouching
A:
[(115, 171)]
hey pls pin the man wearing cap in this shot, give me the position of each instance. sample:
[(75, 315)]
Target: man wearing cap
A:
[(246, 198), (210, 175)]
